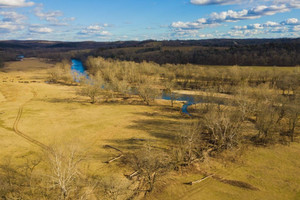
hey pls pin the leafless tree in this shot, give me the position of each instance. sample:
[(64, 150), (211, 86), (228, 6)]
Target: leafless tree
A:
[(149, 164), (189, 144), (92, 88), (293, 113), (61, 72), (114, 187), (64, 173), (224, 126), (147, 89), (269, 111), (169, 83)]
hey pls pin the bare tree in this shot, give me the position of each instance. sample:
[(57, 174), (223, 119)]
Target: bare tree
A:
[(269, 111), (18, 181), (243, 102), (223, 125), (114, 187), (61, 72), (169, 84), (293, 113), (64, 174), (147, 89), (189, 144), (92, 88), (149, 164)]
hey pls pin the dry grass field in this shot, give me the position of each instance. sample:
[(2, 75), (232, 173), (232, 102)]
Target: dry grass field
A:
[(54, 115)]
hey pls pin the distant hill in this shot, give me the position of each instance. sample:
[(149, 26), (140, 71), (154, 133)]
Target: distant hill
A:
[(265, 52)]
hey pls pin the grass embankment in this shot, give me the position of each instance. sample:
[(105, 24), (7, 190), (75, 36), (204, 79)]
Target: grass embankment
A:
[(54, 114)]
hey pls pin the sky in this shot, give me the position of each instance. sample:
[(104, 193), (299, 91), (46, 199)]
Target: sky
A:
[(118, 20)]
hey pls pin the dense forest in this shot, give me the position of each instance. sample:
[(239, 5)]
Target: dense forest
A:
[(243, 52)]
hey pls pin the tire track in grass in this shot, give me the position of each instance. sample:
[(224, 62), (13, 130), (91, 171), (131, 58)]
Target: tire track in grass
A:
[(21, 134)]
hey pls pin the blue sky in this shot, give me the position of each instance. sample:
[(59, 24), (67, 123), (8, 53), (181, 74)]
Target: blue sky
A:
[(113, 20)]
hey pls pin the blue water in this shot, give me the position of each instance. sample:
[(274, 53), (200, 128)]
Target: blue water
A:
[(189, 100), (78, 68)]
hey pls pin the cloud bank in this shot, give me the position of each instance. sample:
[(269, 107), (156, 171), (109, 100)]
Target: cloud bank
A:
[(15, 3)]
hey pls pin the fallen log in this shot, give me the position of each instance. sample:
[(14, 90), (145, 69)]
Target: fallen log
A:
[(108, 146), (113, 159), (133, 174), (198, 181)]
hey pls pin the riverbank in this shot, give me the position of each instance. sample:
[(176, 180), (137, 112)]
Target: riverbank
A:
[(202, 93)]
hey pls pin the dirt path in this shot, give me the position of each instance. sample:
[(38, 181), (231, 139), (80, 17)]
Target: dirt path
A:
[(26, 137)]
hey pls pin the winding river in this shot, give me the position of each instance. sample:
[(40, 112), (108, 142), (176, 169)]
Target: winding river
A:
[(78, 68), (188, 99)]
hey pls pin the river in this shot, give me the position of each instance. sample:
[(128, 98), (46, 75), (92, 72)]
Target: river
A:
[(188, 99), (78, 68)]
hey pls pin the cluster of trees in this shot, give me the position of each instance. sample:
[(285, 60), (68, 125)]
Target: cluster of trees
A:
[(61, 73), (269, 115), (109, 78), (267, 98)]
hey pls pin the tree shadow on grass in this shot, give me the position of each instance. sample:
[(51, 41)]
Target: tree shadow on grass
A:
[(131, 143), (158, 128), (63, 100), (162, 126)]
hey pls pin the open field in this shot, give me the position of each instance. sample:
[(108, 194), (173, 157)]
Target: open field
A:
[(53, 114), (274, 171)]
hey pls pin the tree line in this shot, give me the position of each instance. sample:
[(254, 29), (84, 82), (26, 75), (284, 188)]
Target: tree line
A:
[(243, 52), (231, 52)]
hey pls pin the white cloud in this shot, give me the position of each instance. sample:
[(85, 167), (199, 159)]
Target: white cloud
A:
[(42, 30), (268, 10), (291, 21), (296, 28), (7, 27), (210, 2), (231, 16), (50, 16), (11, 21), (206, 35), (189, 33), (94, 30), (271, 24), (11, 16), (257, 26), (289, 3), (287, 27), (15, 3), (55, 18)]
